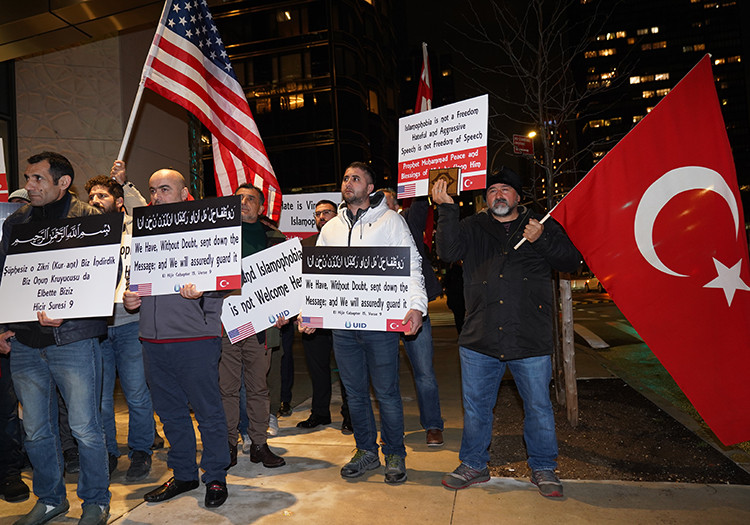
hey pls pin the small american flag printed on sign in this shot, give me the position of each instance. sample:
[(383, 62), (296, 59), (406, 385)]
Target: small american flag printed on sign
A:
[(313, 322), (406, 190), (241, 332), (142, 290)]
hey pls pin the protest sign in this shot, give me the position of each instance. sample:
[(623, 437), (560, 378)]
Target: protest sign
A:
[(298, 212), (446, 137), (358, 288), (271, 289), (192, 242), (66, 268), (125, 247)]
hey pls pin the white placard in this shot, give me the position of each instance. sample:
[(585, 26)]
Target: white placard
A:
[(356, 288), (446, 137), (196, 242), (298, 212), (271, 289), (66, 268)]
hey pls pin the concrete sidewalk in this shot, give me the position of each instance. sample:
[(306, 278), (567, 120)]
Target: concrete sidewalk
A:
[(309, 488)]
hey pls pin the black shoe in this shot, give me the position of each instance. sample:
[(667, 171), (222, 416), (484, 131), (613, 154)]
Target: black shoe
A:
[(170, 489), (14, 490), (313, 421), (72, 461), (140, 466), (346, 427), (285, 409), (261, 453), (216, 494), (232, 460), (112, 464), (158, 441)]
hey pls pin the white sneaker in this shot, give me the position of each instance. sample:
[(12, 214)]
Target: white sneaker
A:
[(273, 425), (246, 443)]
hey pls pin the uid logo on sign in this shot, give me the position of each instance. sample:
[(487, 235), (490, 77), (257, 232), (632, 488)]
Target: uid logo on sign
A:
[(349, 324), (273, 318)]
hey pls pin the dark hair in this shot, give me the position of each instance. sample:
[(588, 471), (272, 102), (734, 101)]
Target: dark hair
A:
[(113, 187), (365, 168), (325, 201), (58, 165), (249, 186)]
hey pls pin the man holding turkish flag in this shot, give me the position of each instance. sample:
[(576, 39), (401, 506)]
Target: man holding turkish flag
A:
[(659, 221)]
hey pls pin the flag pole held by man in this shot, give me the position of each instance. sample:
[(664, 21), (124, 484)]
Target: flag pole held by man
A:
[(188, 65)]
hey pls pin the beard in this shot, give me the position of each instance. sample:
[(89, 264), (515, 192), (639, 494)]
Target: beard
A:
[(353, 199), (501, 208)]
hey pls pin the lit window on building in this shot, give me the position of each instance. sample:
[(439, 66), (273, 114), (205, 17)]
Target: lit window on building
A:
[(631, 41), (654, 30), (641, 32), (662, 92), (445, 72), (590, 54), (728, 60), (607, 52), (290, 102), (637, 118), (648, 94), (611, 74), (710, 5), (373, 102), (263, 105), (661, 76), (648, 110), (724, 101)]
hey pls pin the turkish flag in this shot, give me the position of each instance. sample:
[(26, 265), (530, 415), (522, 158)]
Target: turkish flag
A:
[(659, 220), (424, 103)]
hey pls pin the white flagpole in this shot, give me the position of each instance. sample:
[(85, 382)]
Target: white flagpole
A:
[(145, 74)]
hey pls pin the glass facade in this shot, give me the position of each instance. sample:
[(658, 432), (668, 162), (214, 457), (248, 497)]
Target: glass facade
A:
[(319, 76)]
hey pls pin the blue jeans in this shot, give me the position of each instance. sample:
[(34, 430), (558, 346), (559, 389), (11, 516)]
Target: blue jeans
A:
[(76, 369), (364, 356), (480, 379), (184, 375), (122, 354), (419, 349)]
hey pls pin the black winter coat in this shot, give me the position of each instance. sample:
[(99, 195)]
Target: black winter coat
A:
[(508, 292)]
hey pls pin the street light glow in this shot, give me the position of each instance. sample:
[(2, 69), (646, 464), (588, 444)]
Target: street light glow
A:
[(531, 134)]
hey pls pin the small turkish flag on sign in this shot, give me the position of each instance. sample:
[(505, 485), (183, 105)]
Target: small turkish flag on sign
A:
[(659, 221)]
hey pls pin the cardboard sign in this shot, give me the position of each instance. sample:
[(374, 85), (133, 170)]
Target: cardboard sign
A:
[(66, 268), (355, 288), (271, 289), (192, 242), (446, 137)]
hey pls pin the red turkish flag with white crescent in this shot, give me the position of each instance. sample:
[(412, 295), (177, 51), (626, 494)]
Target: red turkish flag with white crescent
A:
[(659, 220)]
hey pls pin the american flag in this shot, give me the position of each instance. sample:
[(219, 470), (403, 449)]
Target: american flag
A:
[(143, 289), (424, 91), (188, 65), (313, 322), (406, 190), (241, 332)]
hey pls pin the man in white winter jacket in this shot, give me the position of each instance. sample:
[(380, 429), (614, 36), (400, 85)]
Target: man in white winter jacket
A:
[(364, 219)]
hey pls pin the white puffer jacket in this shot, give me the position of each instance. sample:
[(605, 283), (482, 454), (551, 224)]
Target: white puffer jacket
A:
[(378, 226)]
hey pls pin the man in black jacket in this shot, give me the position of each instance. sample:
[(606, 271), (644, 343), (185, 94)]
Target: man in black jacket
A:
[(509, 312), (52, 353)]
